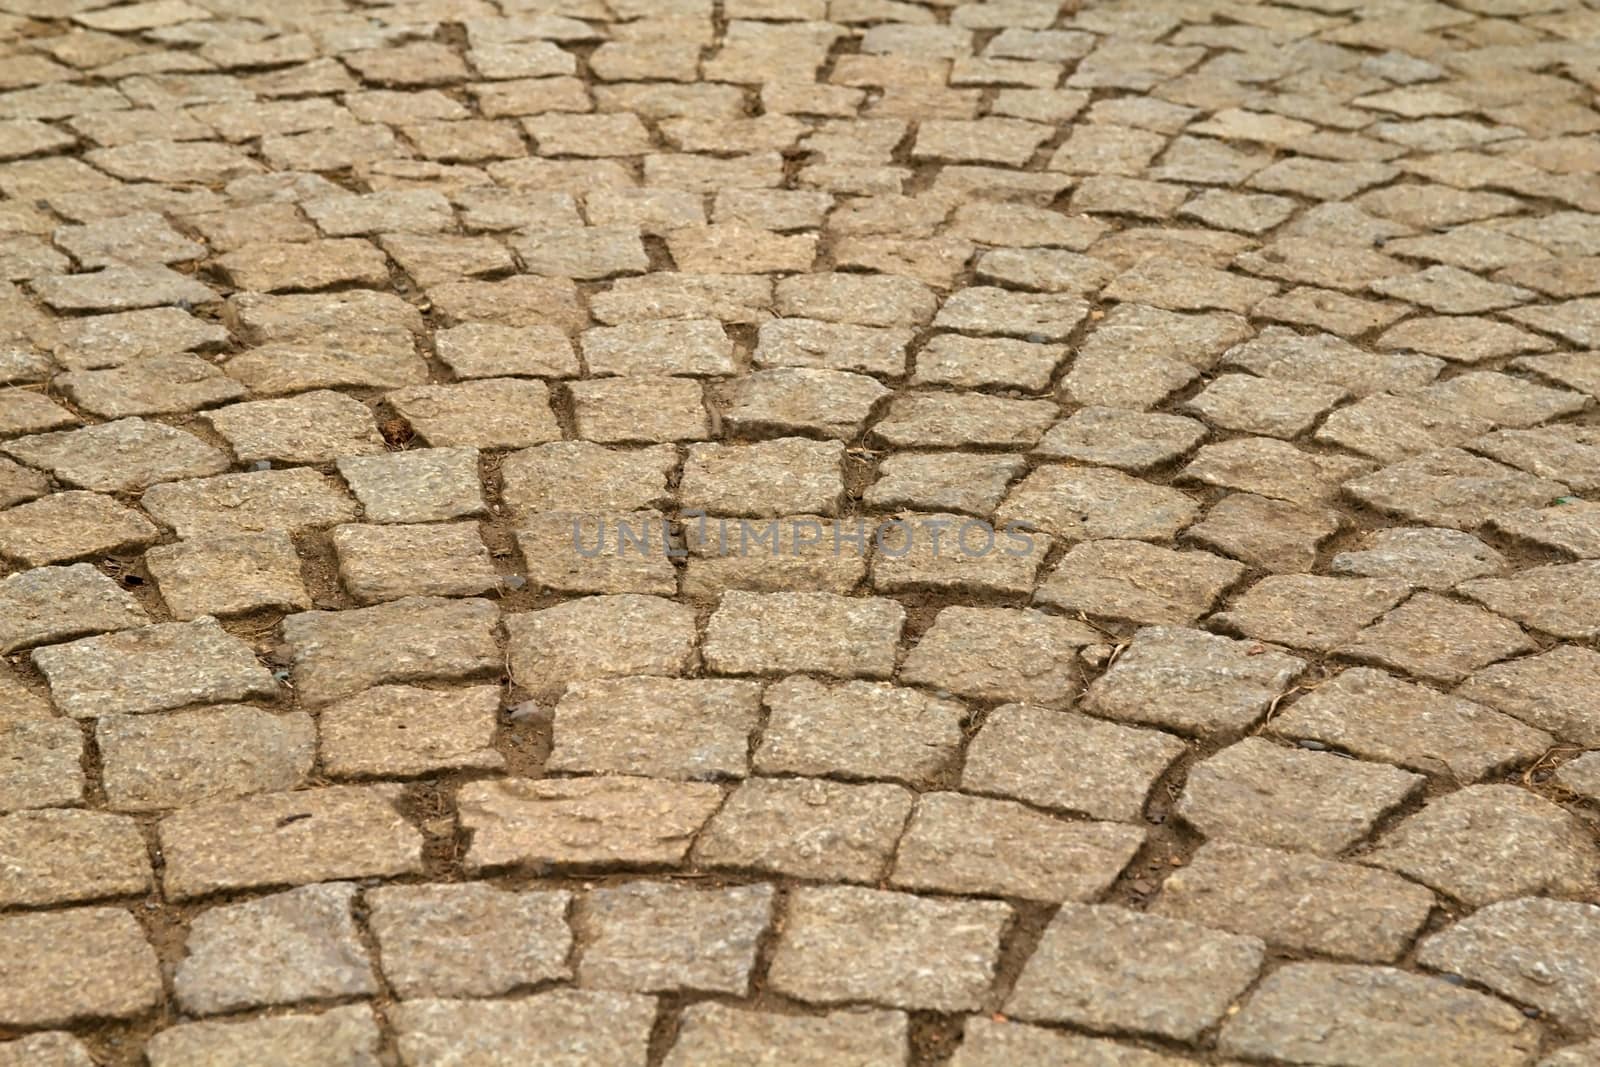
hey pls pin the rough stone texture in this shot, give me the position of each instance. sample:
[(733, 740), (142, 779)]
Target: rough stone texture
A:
[(230, 575), (288, 839), (1106, 968), (298, 945), (50, 604), (599, 637), (258, 502), (339, 654), (806, 828), (70, 526), (401, 731), (1437, 639), (1192, 682), (1257, 792), (348, 1034), (1492, 842), (657, 727), (1538, 952), (378, 563), (990, 1043), (1067, 762), (715, 1035), (1297, 903), (1560, 599), (469, 940), (1309, 611), (1428, 558), (934, 955), (858, 730), (603, 821), (1388, 1018), (962, 844), (425, 485), (1376, 716), (1130, 581), (647, 937), (153, 762), (61, 856), (999, 654), (562, 1026), (40, 763), (153, 668), (1547, 691), (85, 963), (815, 632)]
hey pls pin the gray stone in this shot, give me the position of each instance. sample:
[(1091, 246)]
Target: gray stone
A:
[(1451, 488), (858, 730), (292, 838), (1548, 691), (927, 954), (229, 575), (1426, 558), (1087, 503), (1256, 792), (562, 1026), (348, 1035), (256, 502), (690, 347), (788, 476), (961, 844), (1272, 468), (71, 525), (1068, 762), (1130, 581), (49, 1049), (780, 633), (488, 413), (1297, 903), (41, 763), (59, 603), (1437, 639), (658, 727), (1538, 952), (400, 731), (495, 350), (339, 654), (599, 637), (1106, 968), (54, 857), (646, 937), (806, 828), (649, 410), (1310, 611), (378, 563), (1273, 535), (1560, 599), (152, 762), (717, 1035), (1486, 843), (423, 485), (989, 1043), (969, 483), (316, 427), (119, 456), (299, 945), (470, 940), (606, 822), (800, 342), (81, 964), (583, 477), (1385, 1018), (1192, 682), (1129, 441), (999, 654), (1572, 527), (152, 668)]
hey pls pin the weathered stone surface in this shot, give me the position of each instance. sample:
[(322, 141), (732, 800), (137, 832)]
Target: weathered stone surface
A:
[(598, 822), (1547, 691), (1451, 488), (1389, 1018), (1192, 682), (423, 485), (229, 575), (963, 420), (1428, 558), (40, 763), (288, 947), (715, 1035), (58, 603), (1087, 503), (396, 731), (599, 637), (1106, 968), (1559, 599), (961, 844), (287, 839), (928, 954), (152, 668), (81, 964), (780, 633), (1067, 762), (857, 730), (69, 526), (1130, 581), (339, 654), (584, 477), (152, 762), (348, 1034), (1437, 639), (314, 427), (1538, 952), (116, 457), (999, 654), (260, 501), (807, 828), (378, 563), (58, 857), (989, 1043), (49, 1049), (469, 940), (1486, 843), (1130, 441), (648, 937), (1310, 611), (1272, 468), (658, 727), (788, 476), (560, 1026), (1296, 902), (1256, 792)]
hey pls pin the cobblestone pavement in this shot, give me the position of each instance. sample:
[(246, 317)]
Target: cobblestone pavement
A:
[(1150, 613)]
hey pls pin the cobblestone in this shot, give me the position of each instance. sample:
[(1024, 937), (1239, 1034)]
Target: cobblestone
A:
[(1260, 338)]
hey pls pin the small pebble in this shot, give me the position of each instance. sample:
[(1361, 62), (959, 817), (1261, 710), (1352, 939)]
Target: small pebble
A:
[(513, 581), (261, 465), (1315, 746)]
